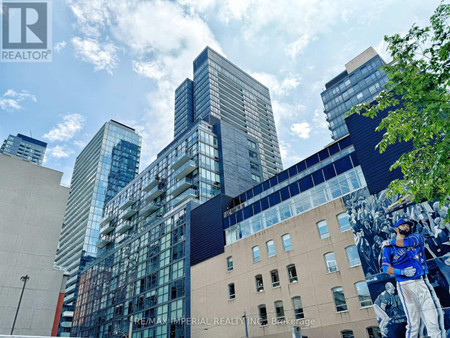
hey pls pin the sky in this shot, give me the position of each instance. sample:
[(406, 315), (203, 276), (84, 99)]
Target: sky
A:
[(123, 60)]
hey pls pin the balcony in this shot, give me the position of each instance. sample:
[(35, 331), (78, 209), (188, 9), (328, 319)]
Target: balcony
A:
[(126, 203), (180, 160), (180, 186), (190, 193), (106, 229), (154, 193), (127, 213), (149, 209), (121, 238), (106, 219), (124, 226), (67, 314), (150, 184), (185, 169), (104, 240)]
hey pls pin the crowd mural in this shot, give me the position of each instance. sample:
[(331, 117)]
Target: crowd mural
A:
[(372, 223)]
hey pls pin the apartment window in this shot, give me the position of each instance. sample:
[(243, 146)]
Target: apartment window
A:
[(262, 315), (339, 299), (270, 249), (287, 242), (230, 266), (292, 273), (298, 308), (373, 332), (231, 291), (252, 154), (363, 294), (330, 261), (347, 334), (256, 257), (344, 222), (259, 283), (323, 229), (352, 256), (256, 178), (279, 310), (275, 278), (251, 144), (254, 166)]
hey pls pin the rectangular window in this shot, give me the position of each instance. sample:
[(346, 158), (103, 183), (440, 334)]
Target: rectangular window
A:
[(339, 299), (298, 308), (231, 291), (287, 242), (251, 144), (344, 222), (275, 278), (259, 283), (292, 273), (262, 315), (256, 178), (279, 310), (363, 294), (252, 154), (256, 257), (230, 263), (270, 249), (323, 229), (330, 262), (352, 256)]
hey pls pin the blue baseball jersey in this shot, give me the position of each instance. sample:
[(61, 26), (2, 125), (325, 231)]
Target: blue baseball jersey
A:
[(411, 255)]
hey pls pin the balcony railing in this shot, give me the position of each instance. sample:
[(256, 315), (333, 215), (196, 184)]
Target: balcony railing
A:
[(124, 226), (180, 186), (104, 240), (126, 203), (121, 238), (127, 213), (149, 209), (185, 169), (150, 184), (180, 160), (154, 193), (190, 193), (106, 219), (106, 229)]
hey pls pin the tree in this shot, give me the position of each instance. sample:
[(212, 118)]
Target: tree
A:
[(419, 91)]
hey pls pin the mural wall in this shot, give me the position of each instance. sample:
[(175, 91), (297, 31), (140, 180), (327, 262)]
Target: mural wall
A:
[(371, 226)]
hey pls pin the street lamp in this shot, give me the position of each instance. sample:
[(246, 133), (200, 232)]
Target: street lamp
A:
[(24, 279)]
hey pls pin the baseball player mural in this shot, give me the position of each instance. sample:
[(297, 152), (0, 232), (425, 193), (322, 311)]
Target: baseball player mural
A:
[(405, 256)]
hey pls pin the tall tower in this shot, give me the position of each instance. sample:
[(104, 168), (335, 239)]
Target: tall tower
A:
[(106, 165), (224, 91), (361, 81), (25, 147)]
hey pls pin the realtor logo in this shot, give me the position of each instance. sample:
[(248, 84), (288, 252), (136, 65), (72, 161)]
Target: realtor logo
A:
[(26, 31)]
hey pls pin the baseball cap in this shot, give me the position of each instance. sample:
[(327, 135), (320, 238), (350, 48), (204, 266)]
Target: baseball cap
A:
[(404, 220)]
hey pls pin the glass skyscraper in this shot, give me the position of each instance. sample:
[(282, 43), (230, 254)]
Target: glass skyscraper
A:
[(25, 147), (106, 165), (361, 81), (226, 92), (143, 266)]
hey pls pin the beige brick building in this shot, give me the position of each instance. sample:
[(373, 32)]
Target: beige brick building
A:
[(226, 286)]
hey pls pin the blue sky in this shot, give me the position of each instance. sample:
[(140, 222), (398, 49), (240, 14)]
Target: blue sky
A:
[(123, 60)]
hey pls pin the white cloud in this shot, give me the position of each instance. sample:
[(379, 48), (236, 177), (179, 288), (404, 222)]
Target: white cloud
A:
[(319, 119), (67, 129), (289, 156), (58, 152), (102, 56), (381, 49), (58, 47), (277, 87), (301, 129), (11, 100), (161, 37)]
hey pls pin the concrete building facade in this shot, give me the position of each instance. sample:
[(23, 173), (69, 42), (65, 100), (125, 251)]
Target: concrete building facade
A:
[(32, 205), (306, 297)]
